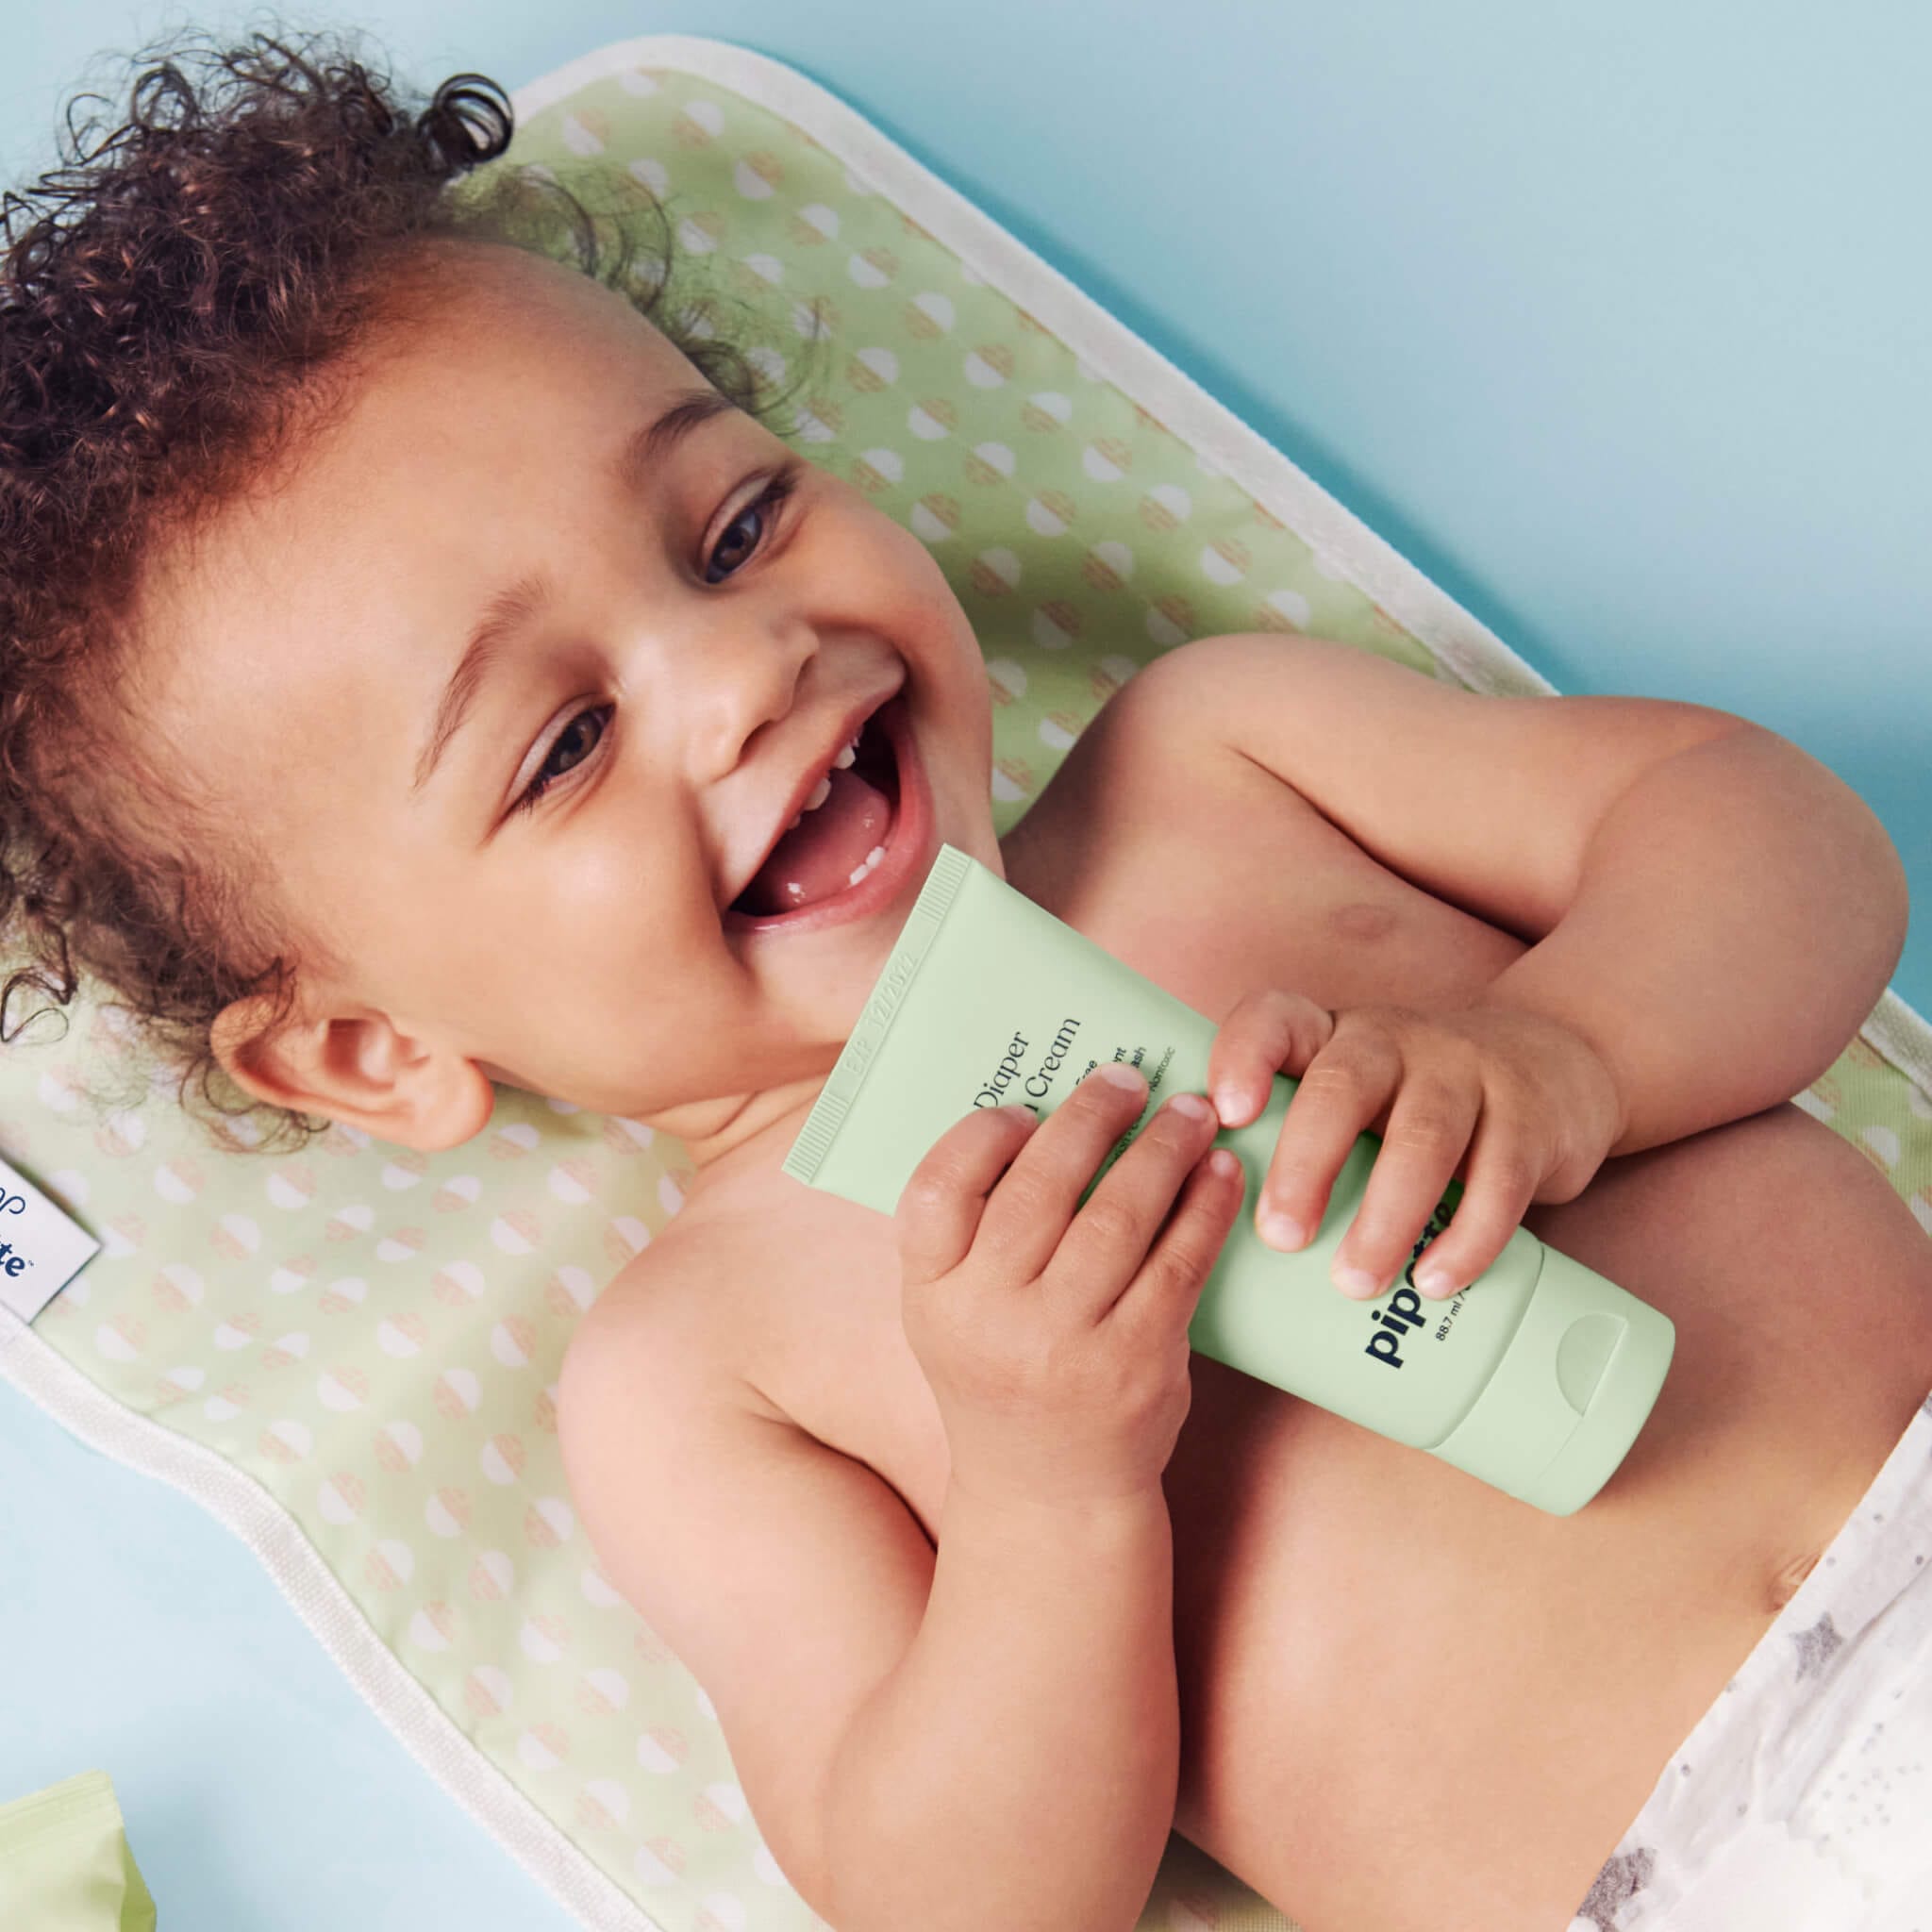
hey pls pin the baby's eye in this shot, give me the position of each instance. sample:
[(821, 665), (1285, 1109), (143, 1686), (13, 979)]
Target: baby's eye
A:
[(764, 508), (573, 746)]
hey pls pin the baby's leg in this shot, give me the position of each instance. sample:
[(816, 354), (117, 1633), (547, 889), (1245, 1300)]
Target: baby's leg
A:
[(1800, 1285), (1805, 1781)]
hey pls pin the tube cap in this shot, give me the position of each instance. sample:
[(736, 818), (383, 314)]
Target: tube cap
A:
[(1569, 1393)]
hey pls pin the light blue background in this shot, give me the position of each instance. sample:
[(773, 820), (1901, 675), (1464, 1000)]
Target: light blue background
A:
[(1614, 319)]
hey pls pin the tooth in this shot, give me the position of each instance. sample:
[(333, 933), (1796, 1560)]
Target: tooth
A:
[(794, 825), (846, 755), (819, 793), (870, 864)]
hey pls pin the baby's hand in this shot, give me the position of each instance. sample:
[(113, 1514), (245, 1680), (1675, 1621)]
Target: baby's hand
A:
[(1519, 1106)]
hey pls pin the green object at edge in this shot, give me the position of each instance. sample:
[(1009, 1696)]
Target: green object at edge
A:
[(65, 1865)]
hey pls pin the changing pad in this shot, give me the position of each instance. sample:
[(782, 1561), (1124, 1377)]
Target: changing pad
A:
[(350, 1356)]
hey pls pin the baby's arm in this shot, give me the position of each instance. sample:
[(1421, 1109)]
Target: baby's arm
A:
[(985, 1739), (1709, 906), (1018, 1769)]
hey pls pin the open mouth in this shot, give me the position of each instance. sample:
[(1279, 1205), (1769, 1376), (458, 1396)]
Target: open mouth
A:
[(847, 853)]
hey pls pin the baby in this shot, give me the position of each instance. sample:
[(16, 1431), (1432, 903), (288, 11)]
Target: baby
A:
[(455, 692)]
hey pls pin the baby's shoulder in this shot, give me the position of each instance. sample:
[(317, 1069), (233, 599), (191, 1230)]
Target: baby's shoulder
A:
[(666, 1316)]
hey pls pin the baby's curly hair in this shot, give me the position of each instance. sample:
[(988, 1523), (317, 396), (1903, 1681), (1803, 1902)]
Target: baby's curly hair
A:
[(176, 304)]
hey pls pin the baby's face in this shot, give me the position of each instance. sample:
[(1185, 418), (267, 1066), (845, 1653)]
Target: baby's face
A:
[(550, 905)]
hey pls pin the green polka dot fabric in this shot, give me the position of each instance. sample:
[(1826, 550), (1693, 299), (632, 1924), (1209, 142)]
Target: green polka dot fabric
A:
[(352, 1354)]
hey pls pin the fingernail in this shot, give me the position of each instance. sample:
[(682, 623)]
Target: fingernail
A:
[(1280, 1231), (1228, 1103), (1434, 1279), (1191, 1105), (1119, 1073), (1358, 1282)]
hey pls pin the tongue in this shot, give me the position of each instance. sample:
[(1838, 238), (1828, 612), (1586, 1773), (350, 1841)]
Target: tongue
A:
[(818, 856)]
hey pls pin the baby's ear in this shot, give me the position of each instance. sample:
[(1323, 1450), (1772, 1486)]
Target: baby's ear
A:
[(358, 1067)]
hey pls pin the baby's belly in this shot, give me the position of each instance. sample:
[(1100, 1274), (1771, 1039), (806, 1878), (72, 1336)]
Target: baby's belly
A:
[(1410, 1703)]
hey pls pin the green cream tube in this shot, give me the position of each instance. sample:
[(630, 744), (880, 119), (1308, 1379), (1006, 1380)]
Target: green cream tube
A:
[(1535, 1379)]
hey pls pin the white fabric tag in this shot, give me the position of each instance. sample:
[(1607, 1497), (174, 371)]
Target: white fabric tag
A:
[(42, 1250)]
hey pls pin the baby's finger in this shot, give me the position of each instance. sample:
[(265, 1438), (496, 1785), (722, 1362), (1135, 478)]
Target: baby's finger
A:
[(1503, 1172), (1167, 1287), (1107, 1241), (939, 1209), (1265, 1031), (1027, 1215), (1343, 1090), (1429, 1126)]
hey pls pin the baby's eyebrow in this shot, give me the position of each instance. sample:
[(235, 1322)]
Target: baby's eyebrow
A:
[(652, 444), (510, 609)]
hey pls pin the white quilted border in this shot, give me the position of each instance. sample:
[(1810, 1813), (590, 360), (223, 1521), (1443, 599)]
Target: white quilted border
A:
[(1337, 537)]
